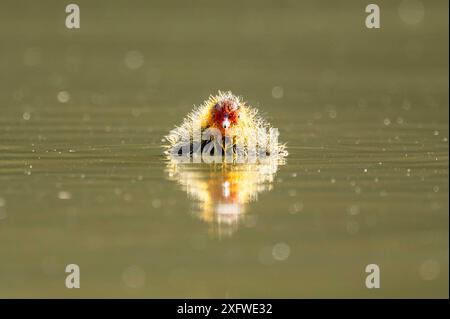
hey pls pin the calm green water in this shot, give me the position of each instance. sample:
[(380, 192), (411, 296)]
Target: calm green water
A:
[(83, 179)]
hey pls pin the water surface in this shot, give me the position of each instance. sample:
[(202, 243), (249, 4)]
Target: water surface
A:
[(83, 179)]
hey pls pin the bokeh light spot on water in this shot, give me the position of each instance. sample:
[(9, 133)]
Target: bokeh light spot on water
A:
[(64, 195), (331, 110), (411, 11), (332, 114), (406, 105), (63, 97), (383, 193), (156, 203), (354, 210), (429, 269), (26, 116), (277, 92), (296, 208), (408, 172), (134, 60), (134, 277), (281, 251)]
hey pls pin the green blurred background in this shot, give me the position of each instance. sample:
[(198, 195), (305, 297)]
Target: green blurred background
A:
[(83, 180)]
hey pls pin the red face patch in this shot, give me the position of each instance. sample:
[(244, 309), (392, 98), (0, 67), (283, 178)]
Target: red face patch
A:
[(225, 114)]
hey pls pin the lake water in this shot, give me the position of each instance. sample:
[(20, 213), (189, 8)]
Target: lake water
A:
[(83, 178)]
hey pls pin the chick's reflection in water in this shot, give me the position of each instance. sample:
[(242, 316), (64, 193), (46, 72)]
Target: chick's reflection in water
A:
[(221, 193), (227, 128)]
